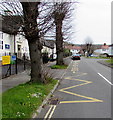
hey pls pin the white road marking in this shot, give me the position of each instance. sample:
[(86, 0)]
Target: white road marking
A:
[(105, 79), (48, 113), (52, 112), (66, 70)]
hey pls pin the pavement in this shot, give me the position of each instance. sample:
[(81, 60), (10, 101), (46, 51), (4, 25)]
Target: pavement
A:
[(14, 80), (24, 77)]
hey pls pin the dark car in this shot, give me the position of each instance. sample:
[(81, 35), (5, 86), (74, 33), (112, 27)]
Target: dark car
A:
[(76, 57)]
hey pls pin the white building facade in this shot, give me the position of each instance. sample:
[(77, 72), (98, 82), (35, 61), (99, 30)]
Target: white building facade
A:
[(13, 44), (18, 44), (108, 51)]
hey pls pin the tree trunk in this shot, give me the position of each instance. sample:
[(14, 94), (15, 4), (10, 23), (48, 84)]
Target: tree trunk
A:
[(36, 62), (30, 14), (59, 42)]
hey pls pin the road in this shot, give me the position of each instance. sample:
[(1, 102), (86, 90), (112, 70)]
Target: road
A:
[(84, 92)]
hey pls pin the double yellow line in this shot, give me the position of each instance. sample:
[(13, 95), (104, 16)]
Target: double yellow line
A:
[(90, 99)]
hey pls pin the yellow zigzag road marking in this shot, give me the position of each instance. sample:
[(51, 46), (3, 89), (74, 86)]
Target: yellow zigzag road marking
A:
[(78, 101)]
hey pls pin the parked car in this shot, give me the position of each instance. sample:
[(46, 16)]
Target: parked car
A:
[(93, 55), (76, 57)]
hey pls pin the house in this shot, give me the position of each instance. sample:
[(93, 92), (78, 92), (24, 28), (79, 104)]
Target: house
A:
[(110, 50), (105, 50), (73, 48), (49, 47)]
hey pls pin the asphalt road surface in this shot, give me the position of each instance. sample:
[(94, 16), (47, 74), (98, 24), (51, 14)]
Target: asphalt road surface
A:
[(84, 93)]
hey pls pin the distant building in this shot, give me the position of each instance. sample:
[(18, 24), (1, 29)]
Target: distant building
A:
[(73, 48), (105, 50), (49, 47)]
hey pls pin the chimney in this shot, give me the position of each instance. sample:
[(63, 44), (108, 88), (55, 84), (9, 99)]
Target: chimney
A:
[(104, 44)]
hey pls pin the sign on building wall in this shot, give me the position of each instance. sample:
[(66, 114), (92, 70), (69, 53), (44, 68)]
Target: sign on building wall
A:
[(7, 46), (6, 60)]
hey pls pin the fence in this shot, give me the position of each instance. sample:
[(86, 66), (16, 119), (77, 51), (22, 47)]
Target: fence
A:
[(15, 66)]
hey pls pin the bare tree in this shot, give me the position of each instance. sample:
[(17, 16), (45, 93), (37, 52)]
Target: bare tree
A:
[(34, 25), (61, 12), (88, 46), (30, 13)]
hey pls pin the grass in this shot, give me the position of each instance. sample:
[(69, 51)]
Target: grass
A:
[(98, 57), (59, 67), (23, 100), (0, 106), (110, 61)]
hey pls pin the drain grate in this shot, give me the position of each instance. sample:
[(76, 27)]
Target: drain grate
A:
[(54, 101)]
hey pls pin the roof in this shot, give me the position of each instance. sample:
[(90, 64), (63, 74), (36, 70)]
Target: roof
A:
[(49, 43), (72, 47), (104, 46)]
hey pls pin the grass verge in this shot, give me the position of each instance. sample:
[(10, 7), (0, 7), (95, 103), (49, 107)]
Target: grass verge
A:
[(97, 57), (110, 61), (23, 100), (59, 67)]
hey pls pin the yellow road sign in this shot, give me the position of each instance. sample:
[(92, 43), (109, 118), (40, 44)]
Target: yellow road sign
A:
[(5, 60)]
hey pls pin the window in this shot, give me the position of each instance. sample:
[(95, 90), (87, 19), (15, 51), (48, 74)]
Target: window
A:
[(104, 49), (1, 44), (19, 48)]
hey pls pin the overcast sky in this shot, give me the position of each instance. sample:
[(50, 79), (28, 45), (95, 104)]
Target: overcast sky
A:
[(93, 19)]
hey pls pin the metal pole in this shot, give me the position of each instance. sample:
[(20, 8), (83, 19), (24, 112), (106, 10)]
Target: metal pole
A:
[(24, 61), (14, 45), (10, 66), (16, 70)]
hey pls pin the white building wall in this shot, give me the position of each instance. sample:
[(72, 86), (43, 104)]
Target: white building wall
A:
[(6, 49), (101, 51), (50, 51), (21, 42), (74, 51), (47, 50), (108, 51), (8, 44), (111, 50)]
